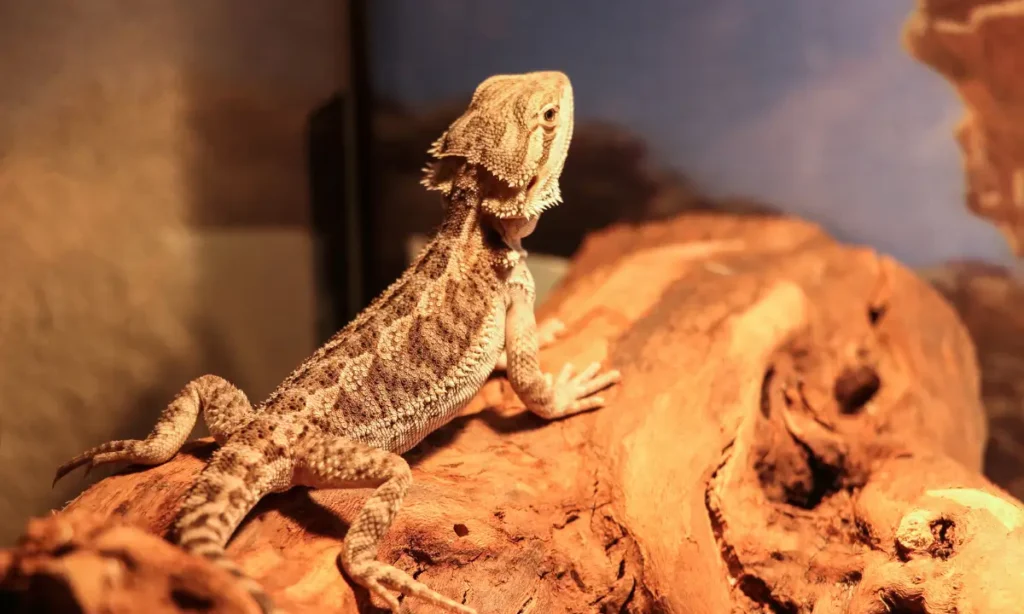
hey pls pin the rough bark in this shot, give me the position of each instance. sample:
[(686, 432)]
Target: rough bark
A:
[(799, 429), (977, 46), (988, 300)]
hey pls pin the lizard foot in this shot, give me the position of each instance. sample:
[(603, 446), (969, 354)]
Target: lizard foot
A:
[(575, 393), (377, 578), (131, 450), (549, 331)]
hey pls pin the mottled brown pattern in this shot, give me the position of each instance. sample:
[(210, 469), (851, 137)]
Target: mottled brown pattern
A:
[(433, 263), (408, 363)]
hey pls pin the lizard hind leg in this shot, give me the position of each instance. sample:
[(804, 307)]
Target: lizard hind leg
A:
[(327, 461), (225, 409), (238, 475)]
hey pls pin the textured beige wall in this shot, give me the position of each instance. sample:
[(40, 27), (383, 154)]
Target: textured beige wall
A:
[(143, 144)]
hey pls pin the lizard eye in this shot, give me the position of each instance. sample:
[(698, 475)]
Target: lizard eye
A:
[(548, 116)]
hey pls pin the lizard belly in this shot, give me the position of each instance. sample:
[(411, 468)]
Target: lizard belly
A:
[(393, 420), (445, 399)]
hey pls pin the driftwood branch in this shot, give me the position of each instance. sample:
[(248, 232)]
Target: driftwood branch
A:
[(798, 430), (977, 46)]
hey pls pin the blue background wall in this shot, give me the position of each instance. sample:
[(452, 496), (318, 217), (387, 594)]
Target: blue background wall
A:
[(811, 106)]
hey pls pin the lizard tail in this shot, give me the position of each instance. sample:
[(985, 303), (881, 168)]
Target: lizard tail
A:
[(223, 493)]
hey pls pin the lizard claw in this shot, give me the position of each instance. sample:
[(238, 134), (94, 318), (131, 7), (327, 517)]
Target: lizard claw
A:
[(575, 393), (105, 453), (377, 578), (89, 467)]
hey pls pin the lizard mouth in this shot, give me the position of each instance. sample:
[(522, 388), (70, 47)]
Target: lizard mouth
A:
[(501, 199), (531, 187), (514, 229)]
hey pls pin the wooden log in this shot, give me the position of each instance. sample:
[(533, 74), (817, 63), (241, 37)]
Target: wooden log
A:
[(976, 45), (988, 300), (798, 429)]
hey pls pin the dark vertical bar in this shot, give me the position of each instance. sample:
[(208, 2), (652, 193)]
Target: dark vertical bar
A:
[(338, 150), (360, 143), (325, 159)]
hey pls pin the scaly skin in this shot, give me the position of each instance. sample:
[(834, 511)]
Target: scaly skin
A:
[(408, 363)]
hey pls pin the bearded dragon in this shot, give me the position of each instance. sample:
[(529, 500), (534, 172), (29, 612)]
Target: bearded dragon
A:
[(407, 363)]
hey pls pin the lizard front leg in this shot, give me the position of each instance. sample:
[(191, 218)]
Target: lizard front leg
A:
[(225, 409), (548, 332), (547, 396), (328, 461)]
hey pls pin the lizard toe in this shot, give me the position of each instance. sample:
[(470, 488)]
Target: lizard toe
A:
[(588, 373), (371, 576), (595, 382), (378, 577), (549, 332), (104, 453)]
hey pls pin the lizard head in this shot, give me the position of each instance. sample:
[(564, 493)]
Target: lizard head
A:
[(516, 133)]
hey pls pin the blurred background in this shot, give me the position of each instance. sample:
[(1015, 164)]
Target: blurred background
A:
[(194, 186)]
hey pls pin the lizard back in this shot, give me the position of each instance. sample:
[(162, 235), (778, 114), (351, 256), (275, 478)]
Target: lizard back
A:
[(411, 359)]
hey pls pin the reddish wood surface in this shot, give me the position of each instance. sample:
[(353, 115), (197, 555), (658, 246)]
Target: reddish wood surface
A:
[(798, 429), (976, 45)]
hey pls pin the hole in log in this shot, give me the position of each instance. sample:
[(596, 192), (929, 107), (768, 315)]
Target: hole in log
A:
[(787, 468), (759, 591), (11, 601), (903, 604), (875, 313), (64, 549), (461, 530), (943, 532), (187, 600), (43, 594), (766, 382), (825, 480), (855, 387)]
